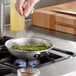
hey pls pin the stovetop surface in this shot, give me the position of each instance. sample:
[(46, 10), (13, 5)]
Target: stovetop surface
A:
[(64, 49), (10, 64)]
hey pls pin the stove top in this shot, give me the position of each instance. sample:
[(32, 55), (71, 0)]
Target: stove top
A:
[(10, 64)]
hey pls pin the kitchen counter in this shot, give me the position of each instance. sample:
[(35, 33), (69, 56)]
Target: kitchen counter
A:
[(63, 41)]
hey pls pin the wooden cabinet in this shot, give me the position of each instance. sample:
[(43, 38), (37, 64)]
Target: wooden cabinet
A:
[(43, 19), (46, 18)]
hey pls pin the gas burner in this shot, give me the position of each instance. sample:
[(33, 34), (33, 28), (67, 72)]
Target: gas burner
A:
[(23, 63), (37, 61), (20, 63)]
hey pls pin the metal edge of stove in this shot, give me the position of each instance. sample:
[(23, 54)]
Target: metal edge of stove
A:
[(10, 66), (49, 63), (4, 70), (73, 54), (60, 53), (64, 57)]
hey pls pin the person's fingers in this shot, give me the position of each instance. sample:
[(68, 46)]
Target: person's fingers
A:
[(19, 6), (24, 8), (27, 9)]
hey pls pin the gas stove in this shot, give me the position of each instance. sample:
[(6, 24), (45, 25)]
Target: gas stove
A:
[(10, 64)]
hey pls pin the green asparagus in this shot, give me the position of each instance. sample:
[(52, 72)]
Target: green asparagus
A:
[(32, 47)]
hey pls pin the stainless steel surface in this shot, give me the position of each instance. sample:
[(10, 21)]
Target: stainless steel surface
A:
[(60, 40), (2, 18), (64, 11), (57, 69), (60, 68), (27, 41)]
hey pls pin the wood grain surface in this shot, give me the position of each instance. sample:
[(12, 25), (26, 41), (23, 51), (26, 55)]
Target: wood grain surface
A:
[(46, 18)]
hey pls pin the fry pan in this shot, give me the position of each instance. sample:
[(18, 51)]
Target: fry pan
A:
[(27, 41)]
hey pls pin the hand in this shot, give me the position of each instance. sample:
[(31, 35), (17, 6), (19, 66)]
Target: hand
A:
[(19, 6), (24, 7)]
